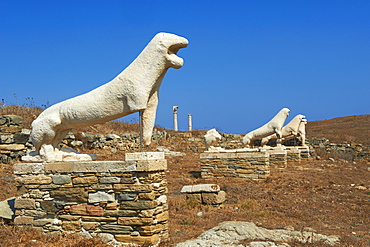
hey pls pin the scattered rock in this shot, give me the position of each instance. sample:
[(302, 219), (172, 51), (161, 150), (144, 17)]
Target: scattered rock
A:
[(360, 187), (168, 152), (230, 233), (7, 208)]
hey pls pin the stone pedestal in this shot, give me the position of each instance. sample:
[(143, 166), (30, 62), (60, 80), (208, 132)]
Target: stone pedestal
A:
[(278, 157), (293, 154), (250, 165), (305, 152), (122, 201)]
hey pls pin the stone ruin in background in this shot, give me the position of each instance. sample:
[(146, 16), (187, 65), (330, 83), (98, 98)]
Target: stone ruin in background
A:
[(254, 163), (14, 141)]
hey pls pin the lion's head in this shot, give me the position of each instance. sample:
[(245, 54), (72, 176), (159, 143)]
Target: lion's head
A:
[(302, 118), (169, 44)]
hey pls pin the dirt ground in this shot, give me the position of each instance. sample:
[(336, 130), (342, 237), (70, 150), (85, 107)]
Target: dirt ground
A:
[(331, 197)]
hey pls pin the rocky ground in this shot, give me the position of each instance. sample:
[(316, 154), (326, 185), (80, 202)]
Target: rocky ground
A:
[(325, 197), (233, 232)]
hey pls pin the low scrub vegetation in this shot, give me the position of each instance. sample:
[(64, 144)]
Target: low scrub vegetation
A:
[(12, 236), (330, 197)]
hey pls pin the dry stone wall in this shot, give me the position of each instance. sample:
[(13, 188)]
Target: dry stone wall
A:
[(207, 194), (342, 150), (14, 142), (240, 165), (13, 139), (249, 164), (278, 158), (119, 201)]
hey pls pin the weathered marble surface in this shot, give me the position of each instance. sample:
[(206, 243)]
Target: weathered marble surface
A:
[(272, 127), (134, 89), (211, 138), (295, 128)]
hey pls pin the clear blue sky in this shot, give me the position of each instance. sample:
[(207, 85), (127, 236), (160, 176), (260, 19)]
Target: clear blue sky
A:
[(245, 60)]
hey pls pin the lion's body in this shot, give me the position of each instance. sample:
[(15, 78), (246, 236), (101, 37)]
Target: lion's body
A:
[(211, 137), (134, 89), (273, 126), (289, 131)]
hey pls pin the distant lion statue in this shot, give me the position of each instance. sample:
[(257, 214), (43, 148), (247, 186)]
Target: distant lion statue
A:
[(289, 131), (134, 89), (211, 137), (302, 132), (272, 127)]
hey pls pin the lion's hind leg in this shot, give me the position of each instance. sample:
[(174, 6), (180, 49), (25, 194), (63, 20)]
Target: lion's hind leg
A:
[(279, 137), (59, 136), (44, 132)]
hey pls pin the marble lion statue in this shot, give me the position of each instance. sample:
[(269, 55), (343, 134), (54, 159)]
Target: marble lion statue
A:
[(134, 89), (211, 137), (289, 131), (302, 132), (274, 126)]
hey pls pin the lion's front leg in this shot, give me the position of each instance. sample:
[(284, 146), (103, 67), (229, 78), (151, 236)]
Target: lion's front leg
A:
[(279, 136), (148, 118)]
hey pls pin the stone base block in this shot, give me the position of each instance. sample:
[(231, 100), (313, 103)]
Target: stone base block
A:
[(124, 201), (249, 165), (209, 194), (214, 198), (139, 240), (144, 156)]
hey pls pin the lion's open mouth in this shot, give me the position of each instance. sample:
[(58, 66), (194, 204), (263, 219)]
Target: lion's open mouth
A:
[(173, 49), (176, 61)]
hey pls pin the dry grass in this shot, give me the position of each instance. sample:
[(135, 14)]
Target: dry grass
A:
[(308, 194), (28, 114), (11, 236), (352, 129)]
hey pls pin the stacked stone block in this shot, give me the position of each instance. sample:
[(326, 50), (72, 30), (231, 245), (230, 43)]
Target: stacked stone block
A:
[(208, 194), (248, 165), (119, 201), (118, 141), (343, 150), (293, 154), (304, 152), (278, 157), (13, 139)]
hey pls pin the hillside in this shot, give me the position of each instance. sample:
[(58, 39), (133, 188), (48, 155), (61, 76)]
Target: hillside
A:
[(352, 129), (330, 197)]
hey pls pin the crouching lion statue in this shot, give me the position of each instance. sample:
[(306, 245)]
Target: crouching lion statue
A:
[(211, 137), (295, 128), (134, 89), (272, 127)]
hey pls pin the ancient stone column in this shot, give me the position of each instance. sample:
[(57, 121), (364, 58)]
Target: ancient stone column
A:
[(190, 125), (175, 126)]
